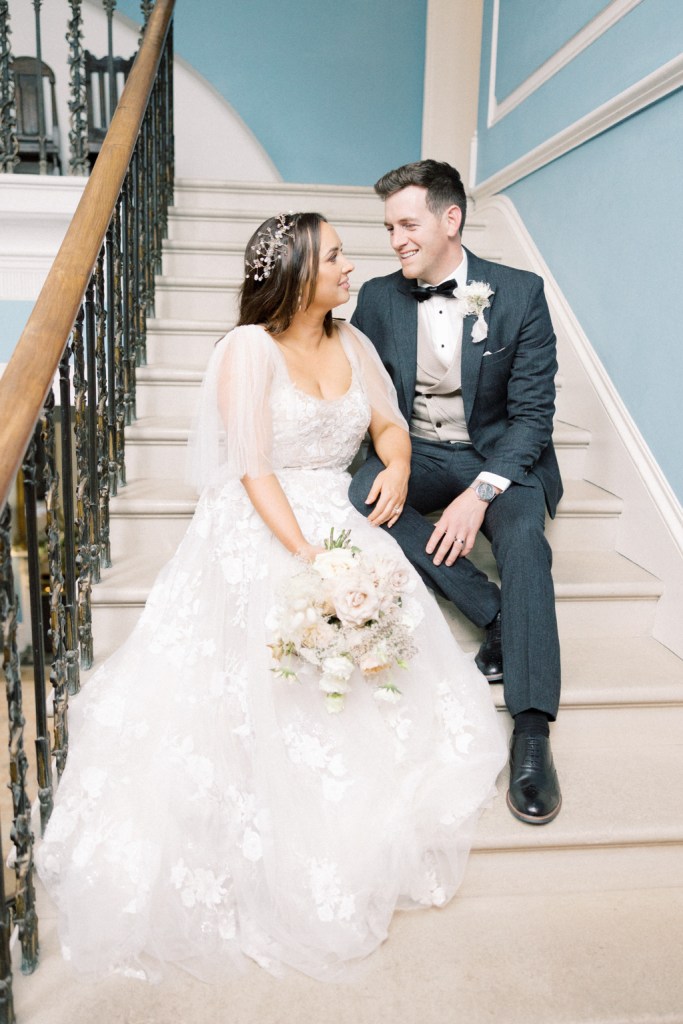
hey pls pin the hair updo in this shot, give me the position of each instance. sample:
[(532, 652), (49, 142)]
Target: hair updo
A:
[(291, 276)]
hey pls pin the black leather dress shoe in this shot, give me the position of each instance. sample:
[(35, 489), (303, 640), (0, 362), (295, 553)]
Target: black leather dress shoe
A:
[(489, 659), (534, 794)]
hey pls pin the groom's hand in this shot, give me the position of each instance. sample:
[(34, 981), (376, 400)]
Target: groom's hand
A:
[(456, 531)]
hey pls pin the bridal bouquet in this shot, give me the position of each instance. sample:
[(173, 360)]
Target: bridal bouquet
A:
[(346, 610)]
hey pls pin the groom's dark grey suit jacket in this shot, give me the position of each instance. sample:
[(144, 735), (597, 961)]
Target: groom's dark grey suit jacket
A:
[(508, 380)]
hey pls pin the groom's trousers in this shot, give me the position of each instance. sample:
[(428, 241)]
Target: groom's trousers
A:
[(514, 524)]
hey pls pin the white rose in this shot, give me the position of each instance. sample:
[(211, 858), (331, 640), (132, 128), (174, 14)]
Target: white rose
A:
[(334, 563), (355, 599), (333, 684), (339, 667)]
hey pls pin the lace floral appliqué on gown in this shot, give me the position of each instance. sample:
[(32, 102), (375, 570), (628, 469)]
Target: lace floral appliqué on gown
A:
[(210, 810)]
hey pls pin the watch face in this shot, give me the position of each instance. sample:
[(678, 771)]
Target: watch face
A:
[(486, 492)]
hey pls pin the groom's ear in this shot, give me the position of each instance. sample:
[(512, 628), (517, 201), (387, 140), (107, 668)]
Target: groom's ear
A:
[(453, 220)]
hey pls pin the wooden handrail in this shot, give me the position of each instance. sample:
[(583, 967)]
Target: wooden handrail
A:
[(32, 367)]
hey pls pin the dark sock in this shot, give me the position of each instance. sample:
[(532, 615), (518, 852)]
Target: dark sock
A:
[(533, 722)]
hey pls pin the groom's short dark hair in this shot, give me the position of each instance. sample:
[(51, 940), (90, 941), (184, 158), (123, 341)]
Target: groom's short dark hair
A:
[(443, 183)]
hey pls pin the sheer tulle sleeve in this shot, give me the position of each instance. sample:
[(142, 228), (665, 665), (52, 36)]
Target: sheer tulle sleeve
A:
[(377, 383), (232, 434)]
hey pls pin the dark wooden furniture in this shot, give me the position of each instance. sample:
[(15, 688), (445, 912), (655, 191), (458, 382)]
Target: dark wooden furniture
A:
[(29, 116), (104, 82)]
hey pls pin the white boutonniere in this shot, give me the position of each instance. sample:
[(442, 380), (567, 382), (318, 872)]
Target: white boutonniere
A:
[(472, 300)]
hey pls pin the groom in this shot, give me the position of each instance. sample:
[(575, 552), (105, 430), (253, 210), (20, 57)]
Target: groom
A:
[(471, 350)]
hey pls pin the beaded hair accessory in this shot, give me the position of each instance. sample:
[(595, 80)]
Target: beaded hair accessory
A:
[(269, 249)]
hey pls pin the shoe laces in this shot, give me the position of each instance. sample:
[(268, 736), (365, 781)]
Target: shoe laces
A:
[(533, 755)]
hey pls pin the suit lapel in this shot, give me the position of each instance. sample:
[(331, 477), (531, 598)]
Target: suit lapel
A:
[(404, 315), (470, 363)]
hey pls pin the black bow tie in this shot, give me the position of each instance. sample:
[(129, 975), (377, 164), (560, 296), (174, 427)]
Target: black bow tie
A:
[(445, 288)]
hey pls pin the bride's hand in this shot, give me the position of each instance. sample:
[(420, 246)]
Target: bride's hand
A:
[(308, 552), (389, 492)]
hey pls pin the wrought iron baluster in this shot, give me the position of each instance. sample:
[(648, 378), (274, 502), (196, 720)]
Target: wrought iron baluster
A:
[(155, 119), (70, 609), (57, 630), (141, 246), (128, 307), (21, 834), (18, 763), (147, 217), (92, 441), (110, 380), (9, 145), (109, 7), (101, 479), (119, 344), (84, 503), (42, 151), (78, 132), (43, 758)]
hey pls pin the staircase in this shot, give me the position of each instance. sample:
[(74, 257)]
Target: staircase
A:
[(578, 921)]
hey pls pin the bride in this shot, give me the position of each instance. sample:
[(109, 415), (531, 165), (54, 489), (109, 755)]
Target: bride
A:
[(212, 810)]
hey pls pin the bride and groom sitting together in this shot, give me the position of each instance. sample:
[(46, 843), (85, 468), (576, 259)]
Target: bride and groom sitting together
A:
[(471, 351), (209, 810)]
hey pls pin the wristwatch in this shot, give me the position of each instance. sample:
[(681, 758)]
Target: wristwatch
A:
[(487, 492)]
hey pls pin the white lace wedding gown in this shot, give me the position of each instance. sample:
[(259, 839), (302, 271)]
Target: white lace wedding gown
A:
[(210, 810)]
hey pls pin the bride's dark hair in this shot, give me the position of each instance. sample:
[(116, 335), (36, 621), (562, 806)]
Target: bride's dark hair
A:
[(273, 300)]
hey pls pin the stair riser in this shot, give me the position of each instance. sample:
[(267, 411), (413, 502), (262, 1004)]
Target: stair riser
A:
[(197, 303), (582, 618), (204, 263), (160, 399), (184, 349), (160, 534), (587, 619), (226, 229), (156, 460), (265, 203), (582, 533), (164, 531), (160, 460)]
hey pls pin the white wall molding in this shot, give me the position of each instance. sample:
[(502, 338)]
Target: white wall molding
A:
[(655, 86), (35, 212), (451, 82), (619, 459), (584, 38)]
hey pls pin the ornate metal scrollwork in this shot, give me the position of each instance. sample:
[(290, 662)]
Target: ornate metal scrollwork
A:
[(21, 833), (101, 480), (83, 519), (18, 761), (119, 346), (9, 145), (78, 132), (68, 497), (57, 629)]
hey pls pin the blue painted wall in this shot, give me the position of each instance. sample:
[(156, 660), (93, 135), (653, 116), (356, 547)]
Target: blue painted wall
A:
[(13, 317), (607, 217), (333, 91), (649, 36)]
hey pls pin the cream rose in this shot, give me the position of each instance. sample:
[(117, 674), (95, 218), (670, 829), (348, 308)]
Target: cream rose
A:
[(355, 599), (334, 563)]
